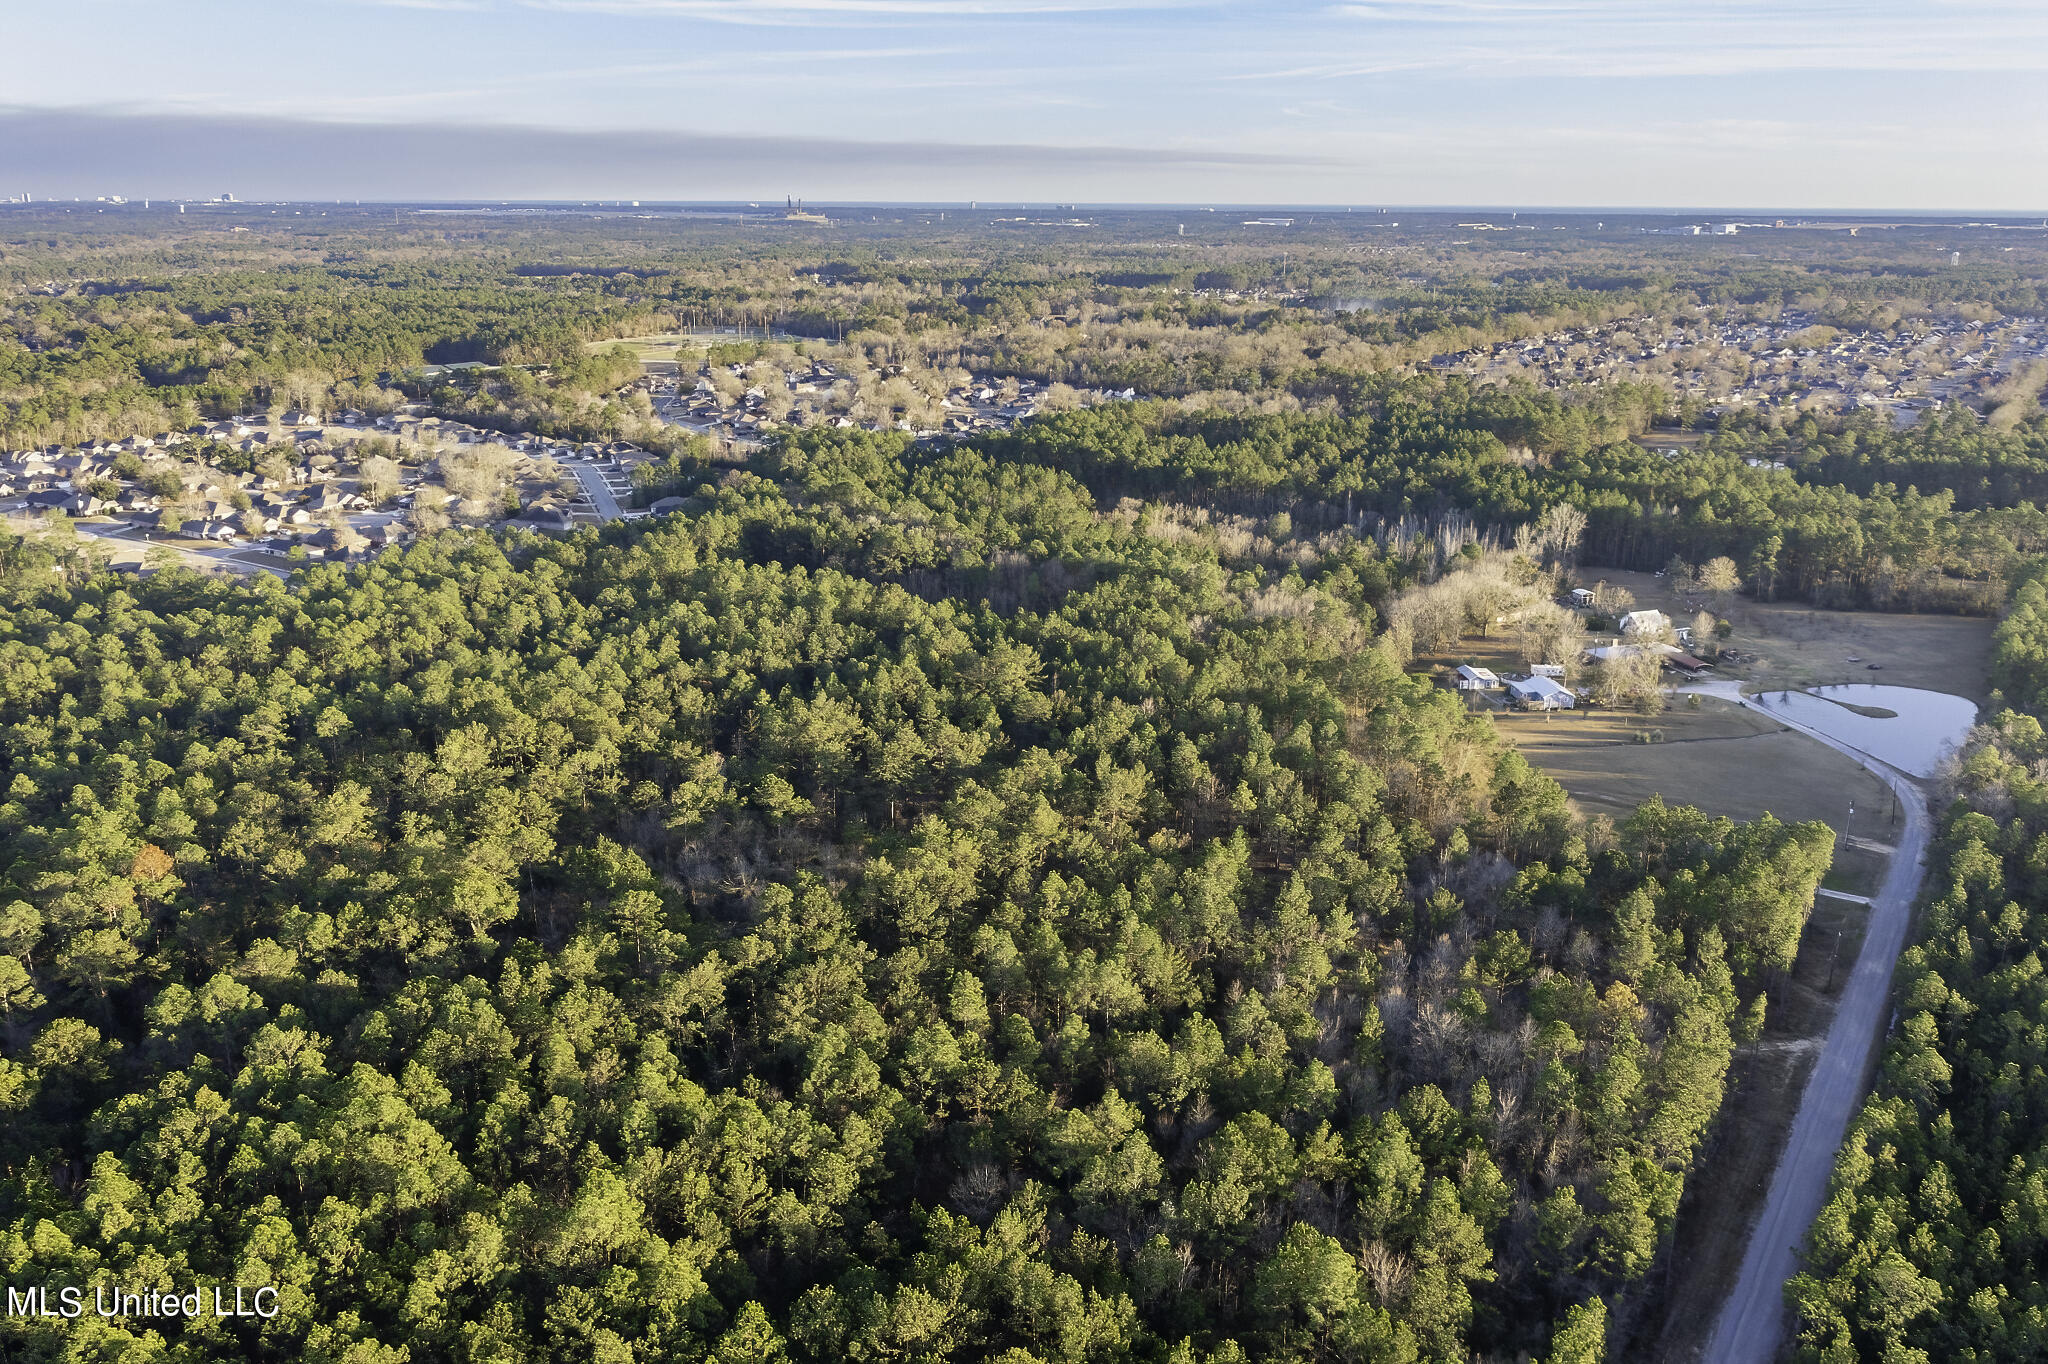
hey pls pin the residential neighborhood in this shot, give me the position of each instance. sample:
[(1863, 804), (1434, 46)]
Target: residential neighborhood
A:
[(261, 493), (1793, 362), (741, 405)]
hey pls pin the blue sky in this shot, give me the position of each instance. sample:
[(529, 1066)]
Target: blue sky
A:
[(1912, 104)]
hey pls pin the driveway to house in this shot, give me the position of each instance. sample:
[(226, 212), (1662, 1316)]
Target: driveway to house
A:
[(1752, 1321)]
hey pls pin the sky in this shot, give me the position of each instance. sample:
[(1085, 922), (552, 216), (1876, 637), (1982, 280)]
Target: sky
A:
[(1920, 105)]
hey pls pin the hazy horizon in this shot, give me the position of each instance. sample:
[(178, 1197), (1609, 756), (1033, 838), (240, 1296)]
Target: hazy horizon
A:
[(765, 203), (1882, 106)]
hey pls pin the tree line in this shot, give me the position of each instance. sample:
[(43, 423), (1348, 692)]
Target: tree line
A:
[(1931, 1244), (1427, 448)]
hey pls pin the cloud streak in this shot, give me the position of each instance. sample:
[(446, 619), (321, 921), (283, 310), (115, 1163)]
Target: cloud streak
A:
[(1580, 38), (782, 13), (62, 153)]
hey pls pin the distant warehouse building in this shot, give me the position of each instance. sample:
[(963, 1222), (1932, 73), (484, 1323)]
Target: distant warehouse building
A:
[(1540, 693)]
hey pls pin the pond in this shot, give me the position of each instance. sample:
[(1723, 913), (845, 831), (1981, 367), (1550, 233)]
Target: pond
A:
[(1922, 727)]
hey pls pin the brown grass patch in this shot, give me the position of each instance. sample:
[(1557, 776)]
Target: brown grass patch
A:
[(1803, 646)]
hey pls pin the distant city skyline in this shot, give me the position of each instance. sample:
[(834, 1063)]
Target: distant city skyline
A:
[(1820, 104)]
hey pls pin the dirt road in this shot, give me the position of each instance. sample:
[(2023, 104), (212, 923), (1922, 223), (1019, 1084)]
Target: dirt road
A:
[(1752, 1321)]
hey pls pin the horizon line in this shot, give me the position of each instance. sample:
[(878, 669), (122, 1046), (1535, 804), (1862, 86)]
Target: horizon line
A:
[(764, 204)]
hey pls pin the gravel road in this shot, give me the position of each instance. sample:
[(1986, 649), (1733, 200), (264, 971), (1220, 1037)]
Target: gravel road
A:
[(1752, 1321)]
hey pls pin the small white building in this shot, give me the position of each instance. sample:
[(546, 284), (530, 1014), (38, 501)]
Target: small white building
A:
[(1554, 670), (1469, 678), (1540, 693), (1582, 596)]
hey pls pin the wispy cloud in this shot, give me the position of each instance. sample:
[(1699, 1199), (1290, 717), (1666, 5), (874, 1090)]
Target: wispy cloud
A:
[(1579, 38), (135, 152), (787, 12), (1293, 40)]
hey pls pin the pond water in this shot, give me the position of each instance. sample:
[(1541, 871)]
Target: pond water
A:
[(1924, 728)]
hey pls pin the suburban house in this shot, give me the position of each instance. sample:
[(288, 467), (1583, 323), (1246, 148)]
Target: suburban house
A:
[(1469, 678), (547, 515), (1540, 693)]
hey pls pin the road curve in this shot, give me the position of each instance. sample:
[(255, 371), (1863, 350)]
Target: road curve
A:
[(1752, 1321)]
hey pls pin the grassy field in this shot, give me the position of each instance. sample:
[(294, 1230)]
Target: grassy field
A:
[(1801, 646), (1725, 760), (1498, 653)]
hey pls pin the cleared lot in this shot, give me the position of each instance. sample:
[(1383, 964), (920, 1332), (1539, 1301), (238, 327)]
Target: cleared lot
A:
[(1725, 760), (1800, 646)]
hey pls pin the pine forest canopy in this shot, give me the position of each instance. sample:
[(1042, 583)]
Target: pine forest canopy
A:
[(947, 901), (518, 948)]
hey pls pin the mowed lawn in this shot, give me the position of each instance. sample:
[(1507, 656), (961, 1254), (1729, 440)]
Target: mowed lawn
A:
[(1723, 759)]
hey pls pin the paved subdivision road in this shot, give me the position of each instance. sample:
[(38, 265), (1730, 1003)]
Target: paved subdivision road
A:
[(1752, 1321), (599, 492)]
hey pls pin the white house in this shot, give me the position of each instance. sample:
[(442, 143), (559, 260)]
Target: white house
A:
[(1469, 678), (1540, 693), (1582, 596), (1555, 670), (1645, 622)]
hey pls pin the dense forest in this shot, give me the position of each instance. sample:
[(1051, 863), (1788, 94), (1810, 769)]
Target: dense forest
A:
[(1431, 449), (1931, 1244), (894, 910), (980, 898)]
